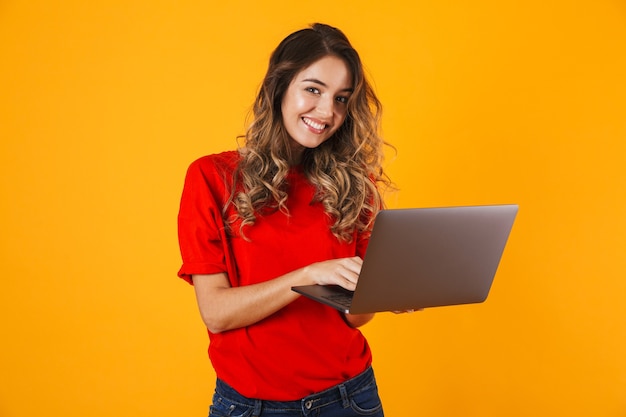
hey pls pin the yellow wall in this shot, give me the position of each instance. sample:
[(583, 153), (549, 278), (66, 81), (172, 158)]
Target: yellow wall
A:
[(104, 104)]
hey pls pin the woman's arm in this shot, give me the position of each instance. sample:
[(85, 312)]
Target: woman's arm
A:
[(223, 307), (358, 320)]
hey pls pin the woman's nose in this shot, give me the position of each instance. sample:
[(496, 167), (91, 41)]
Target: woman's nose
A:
[(325, 106)]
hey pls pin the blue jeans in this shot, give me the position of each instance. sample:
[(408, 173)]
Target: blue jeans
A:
[(356, 397)]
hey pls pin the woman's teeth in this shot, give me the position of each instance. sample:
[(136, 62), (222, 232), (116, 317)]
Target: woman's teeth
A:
[(314, 125)]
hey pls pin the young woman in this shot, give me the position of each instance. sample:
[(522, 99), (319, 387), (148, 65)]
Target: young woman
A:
[(293, 206)]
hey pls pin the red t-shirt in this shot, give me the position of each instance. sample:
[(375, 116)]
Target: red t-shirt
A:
[(304, 348)]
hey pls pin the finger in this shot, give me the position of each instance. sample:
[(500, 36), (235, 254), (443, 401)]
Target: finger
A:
[(352, 264), (351, 275), (409, 311), (349, 281)]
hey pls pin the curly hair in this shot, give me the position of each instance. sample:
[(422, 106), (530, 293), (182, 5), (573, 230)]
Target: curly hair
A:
[(346, 169)]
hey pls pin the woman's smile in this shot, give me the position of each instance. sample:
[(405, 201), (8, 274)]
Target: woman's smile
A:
[(315, 126)]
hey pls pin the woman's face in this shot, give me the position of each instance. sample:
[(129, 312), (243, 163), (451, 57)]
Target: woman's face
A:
[(316, 103)]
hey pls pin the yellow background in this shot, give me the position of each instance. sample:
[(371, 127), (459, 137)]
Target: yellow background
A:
[(104, 104)]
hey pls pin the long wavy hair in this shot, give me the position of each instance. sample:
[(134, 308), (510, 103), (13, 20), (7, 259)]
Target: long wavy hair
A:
[(346, 169)]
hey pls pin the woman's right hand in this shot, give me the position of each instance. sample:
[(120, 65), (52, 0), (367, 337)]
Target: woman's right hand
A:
[(343, 272)]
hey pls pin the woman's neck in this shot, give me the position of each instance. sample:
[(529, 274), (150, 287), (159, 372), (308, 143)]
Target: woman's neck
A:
[(297, 151)]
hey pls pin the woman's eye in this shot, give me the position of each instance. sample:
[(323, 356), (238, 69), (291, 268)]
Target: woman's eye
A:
[(312, 90), (342, 100)]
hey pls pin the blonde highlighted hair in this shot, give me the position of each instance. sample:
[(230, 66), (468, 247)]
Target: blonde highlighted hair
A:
[(346, 169)]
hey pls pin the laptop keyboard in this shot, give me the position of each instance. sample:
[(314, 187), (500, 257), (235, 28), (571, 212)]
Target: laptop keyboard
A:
[(342, 299)]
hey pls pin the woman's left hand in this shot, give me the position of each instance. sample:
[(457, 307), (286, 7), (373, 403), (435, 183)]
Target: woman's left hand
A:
[(407, 311)]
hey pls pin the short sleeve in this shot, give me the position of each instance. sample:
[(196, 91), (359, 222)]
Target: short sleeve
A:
[(201, 231)]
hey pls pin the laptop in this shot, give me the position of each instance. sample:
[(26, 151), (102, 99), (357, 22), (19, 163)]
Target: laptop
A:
[(425, 257)]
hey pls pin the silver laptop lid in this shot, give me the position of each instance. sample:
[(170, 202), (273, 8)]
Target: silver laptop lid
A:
[(428, 257)]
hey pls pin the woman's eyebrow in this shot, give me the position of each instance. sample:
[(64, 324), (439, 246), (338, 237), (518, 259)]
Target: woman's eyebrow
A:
[(323, 84)]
